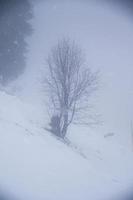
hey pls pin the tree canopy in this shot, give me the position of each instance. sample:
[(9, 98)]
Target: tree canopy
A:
[(70, 82), (15, 26)]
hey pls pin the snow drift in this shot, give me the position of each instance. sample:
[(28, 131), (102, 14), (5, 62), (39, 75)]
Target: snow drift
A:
[(35, 165)]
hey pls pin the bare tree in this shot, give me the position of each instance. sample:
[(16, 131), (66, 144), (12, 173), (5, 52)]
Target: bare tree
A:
[(69, 84)]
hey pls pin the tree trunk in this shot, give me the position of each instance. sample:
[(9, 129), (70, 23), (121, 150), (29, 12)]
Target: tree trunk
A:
[(65, 124), (64, 131)]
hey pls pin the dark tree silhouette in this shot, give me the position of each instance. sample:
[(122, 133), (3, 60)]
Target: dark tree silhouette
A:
[(15, 26), (70, 83)]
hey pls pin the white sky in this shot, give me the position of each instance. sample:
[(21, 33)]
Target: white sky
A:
[(106, 36)]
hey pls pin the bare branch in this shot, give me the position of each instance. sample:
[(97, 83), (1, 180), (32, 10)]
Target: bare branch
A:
[(70, 82)]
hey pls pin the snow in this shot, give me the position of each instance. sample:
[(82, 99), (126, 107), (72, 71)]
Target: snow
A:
[(35, 165), (96, 164)]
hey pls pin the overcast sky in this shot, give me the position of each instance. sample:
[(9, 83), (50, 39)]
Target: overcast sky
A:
[(105, 32)]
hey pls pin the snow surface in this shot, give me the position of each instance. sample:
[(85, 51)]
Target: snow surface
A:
[(35, 165), (97, 164)]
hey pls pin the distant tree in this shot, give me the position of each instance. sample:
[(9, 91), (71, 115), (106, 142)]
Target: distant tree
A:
[(14, 27), (69, 84)]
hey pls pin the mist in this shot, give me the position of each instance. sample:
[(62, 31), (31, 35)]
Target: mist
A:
[(89, 162), (104, 31)]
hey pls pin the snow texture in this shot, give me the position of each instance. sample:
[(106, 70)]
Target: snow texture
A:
[(37, 166)]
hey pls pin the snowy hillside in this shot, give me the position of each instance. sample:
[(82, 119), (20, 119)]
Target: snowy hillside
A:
[(92, 163), (37, 166)]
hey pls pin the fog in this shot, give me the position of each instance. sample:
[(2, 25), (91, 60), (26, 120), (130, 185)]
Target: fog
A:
[(36, 165), (104, 31)]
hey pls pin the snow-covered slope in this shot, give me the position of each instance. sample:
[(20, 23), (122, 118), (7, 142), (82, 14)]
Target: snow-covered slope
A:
[(36, 166)]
